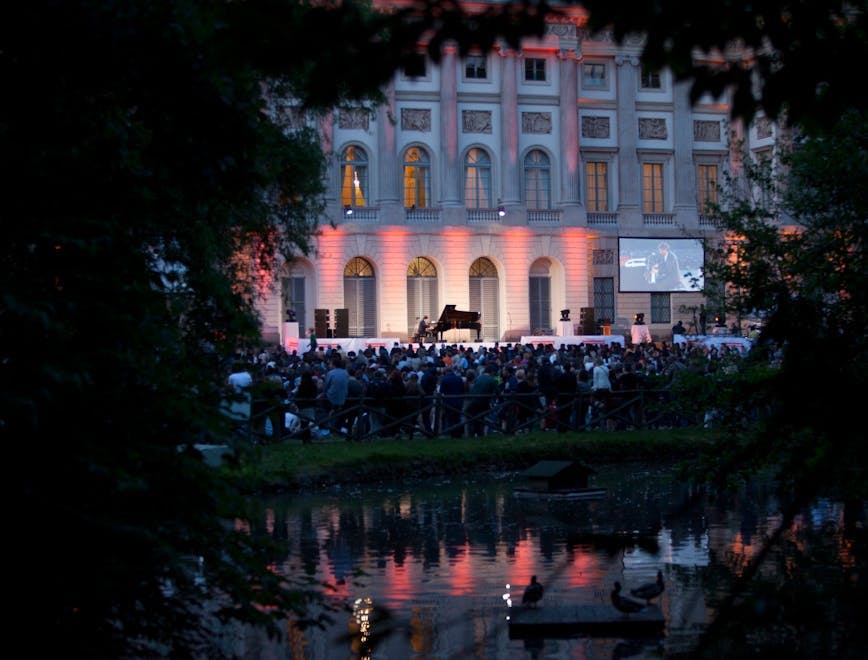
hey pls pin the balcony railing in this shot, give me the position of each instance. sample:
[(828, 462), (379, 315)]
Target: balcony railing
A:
[(598, 218), (482, 216), (425, 216), (707, 221), (543, 217), (368, 215), (658, 218)]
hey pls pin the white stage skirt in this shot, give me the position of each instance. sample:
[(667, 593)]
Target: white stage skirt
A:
[(359, 344)]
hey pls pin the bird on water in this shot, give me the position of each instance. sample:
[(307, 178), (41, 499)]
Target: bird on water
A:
[(651, 590), (622, 604), (533, 593)]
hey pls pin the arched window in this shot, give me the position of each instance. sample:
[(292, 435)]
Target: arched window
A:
[(537, 180), (477, 180), (417, 178), (421, 293), (539, 295), (360, 297), (483, 286), (354, 177)]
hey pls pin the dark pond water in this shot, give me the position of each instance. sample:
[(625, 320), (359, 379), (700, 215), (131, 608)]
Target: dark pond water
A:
[(429, 569)]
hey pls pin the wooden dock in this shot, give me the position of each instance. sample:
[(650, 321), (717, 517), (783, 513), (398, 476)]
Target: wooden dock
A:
[(561, 494), (596, 620)]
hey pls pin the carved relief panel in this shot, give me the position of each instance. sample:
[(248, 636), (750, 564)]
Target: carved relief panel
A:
[(476, 121), (652, 128), (416, 119), (595, 127)]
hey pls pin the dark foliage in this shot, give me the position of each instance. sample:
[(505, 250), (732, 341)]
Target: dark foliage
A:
[(771, 55), (146, 193)]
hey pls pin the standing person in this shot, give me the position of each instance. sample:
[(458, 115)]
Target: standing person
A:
[(601, 387), (584, 396), (396, 404), (600, 377), (355, 392), (240, 399), (483, 391), (678, 329), (428, 383), (414, 397), (546, 379), (526, 400), (565, 382), (311, 337), (452, 391), (336, 388), (663, 272), (703, 319), (240, 379), (305, 396)]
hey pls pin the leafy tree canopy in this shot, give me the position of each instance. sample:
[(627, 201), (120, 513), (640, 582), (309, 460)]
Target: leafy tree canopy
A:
[(139, 163), (796, 254), (799, 56)]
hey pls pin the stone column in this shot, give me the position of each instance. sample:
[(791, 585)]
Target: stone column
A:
[(569, 138), (451, 165), (682, 139), (387, 143), (327, 133), (510, 176), (629, 179)]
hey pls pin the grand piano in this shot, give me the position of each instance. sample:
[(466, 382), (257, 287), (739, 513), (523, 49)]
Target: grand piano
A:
[(452, 318)]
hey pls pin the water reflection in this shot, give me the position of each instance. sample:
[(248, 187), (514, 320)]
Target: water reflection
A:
[(429, 571)]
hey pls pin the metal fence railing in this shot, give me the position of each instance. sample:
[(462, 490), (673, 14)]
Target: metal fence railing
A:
[(436, 415)]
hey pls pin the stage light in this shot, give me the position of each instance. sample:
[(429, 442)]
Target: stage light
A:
[(348, 210), (501, 211)]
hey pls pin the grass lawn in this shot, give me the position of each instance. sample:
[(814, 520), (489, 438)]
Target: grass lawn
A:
[(293, 466)]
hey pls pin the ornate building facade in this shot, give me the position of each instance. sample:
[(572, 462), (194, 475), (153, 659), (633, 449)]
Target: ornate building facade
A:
[(501, 183)]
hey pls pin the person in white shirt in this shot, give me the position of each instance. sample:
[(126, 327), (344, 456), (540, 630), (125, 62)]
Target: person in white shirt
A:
[(240, 381), (600, 377), (240, 378)]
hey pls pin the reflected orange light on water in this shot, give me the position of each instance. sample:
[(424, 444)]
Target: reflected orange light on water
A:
[(584, 571), (400, 581), (523, 567), (461, 574)]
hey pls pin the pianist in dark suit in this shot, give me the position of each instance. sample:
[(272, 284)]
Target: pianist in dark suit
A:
[(422, 329)]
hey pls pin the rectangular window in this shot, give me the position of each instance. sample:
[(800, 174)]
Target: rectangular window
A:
[(475, 67), (706, 187), (416, 66), (652, 188), (604, 299), (535, 69), (597, 186), (594, 75), (650, 78), (537, 186), (660, 308)]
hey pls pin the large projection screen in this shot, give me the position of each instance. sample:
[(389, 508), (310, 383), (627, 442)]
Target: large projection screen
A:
[(645, 267)]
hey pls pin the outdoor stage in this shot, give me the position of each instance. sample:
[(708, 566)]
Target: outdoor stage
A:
[(359, 344)]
